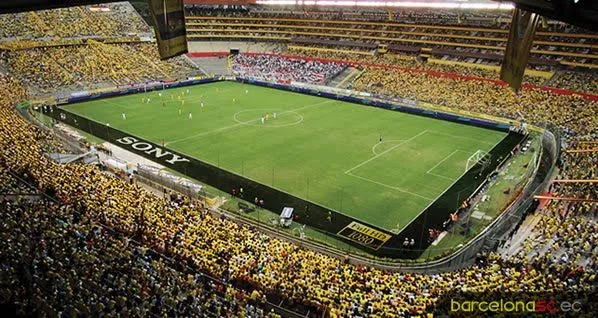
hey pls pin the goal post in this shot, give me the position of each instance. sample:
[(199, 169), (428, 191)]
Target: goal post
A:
[(479, 156)]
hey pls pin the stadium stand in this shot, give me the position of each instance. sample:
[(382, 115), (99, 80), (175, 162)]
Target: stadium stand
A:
[(74, 256), (72, 67), (573, 112), (55, 261), (441, 37), (470, 94), (245, 256), (105, 45), (276, 68), (578, 81), (472, 69), (107, 20)]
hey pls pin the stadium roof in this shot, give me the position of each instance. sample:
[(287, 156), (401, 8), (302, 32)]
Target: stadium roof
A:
[(582, 13)]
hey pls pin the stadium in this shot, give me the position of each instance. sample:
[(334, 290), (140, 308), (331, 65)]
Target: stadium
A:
[(190, 158)]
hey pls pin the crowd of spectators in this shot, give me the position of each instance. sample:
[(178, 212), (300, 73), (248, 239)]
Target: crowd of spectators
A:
[(277, 68), (580, 166), (241, 255), (464, 42), (498, 20), (11, 186), (59, 261), (56, 261), (574, 113), (579, 81), (106, 20), (565, 235), (471, 69), (77, 66), (76, 256), (65, 48), (405, 15)]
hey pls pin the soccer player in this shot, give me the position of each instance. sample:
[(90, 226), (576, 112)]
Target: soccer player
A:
[(234, 100), (180, 111), (182, 103), (201, 104), (187, 91), (160, 94), (124, 116), (267, 116), (274, 115), (263, 120), (246, 91), (190, 115), (148, 100)]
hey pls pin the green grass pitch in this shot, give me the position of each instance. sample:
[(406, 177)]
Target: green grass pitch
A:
[(323, 150)]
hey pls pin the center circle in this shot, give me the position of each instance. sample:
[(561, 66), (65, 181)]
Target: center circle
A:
[(253, 117)]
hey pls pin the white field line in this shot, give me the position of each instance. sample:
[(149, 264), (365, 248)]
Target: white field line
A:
[(385, 151), (389, 186), (381, 142), (462, 137), (443, 192), (443, 160), (244, 123), (440, 176)]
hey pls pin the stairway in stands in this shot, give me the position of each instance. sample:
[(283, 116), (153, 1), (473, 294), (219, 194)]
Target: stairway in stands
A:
[(345, 78), (212, 65)]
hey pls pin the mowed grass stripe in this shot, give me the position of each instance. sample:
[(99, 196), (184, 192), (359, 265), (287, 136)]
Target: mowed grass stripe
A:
[(308, 158)]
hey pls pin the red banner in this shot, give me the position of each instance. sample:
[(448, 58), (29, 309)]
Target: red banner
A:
[(208, 54)]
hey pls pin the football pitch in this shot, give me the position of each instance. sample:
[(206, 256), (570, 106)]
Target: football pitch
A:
[(382, 167)]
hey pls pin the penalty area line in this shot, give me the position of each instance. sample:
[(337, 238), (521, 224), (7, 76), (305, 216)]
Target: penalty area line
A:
[(443, 160), (390, 187), (385, 151), (440, 176)]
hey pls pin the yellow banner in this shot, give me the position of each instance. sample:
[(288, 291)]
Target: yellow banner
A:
[(364, 235)]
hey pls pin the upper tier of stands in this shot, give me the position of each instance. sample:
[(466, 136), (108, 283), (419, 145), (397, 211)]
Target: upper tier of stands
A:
[(107, 20), (93, 64), (568, 46), (83, 47)]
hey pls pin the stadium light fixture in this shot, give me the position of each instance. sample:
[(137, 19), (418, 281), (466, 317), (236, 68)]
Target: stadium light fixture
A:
[(396, 4)]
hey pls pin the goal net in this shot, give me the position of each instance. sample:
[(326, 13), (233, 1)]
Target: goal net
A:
[(479, 156)]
